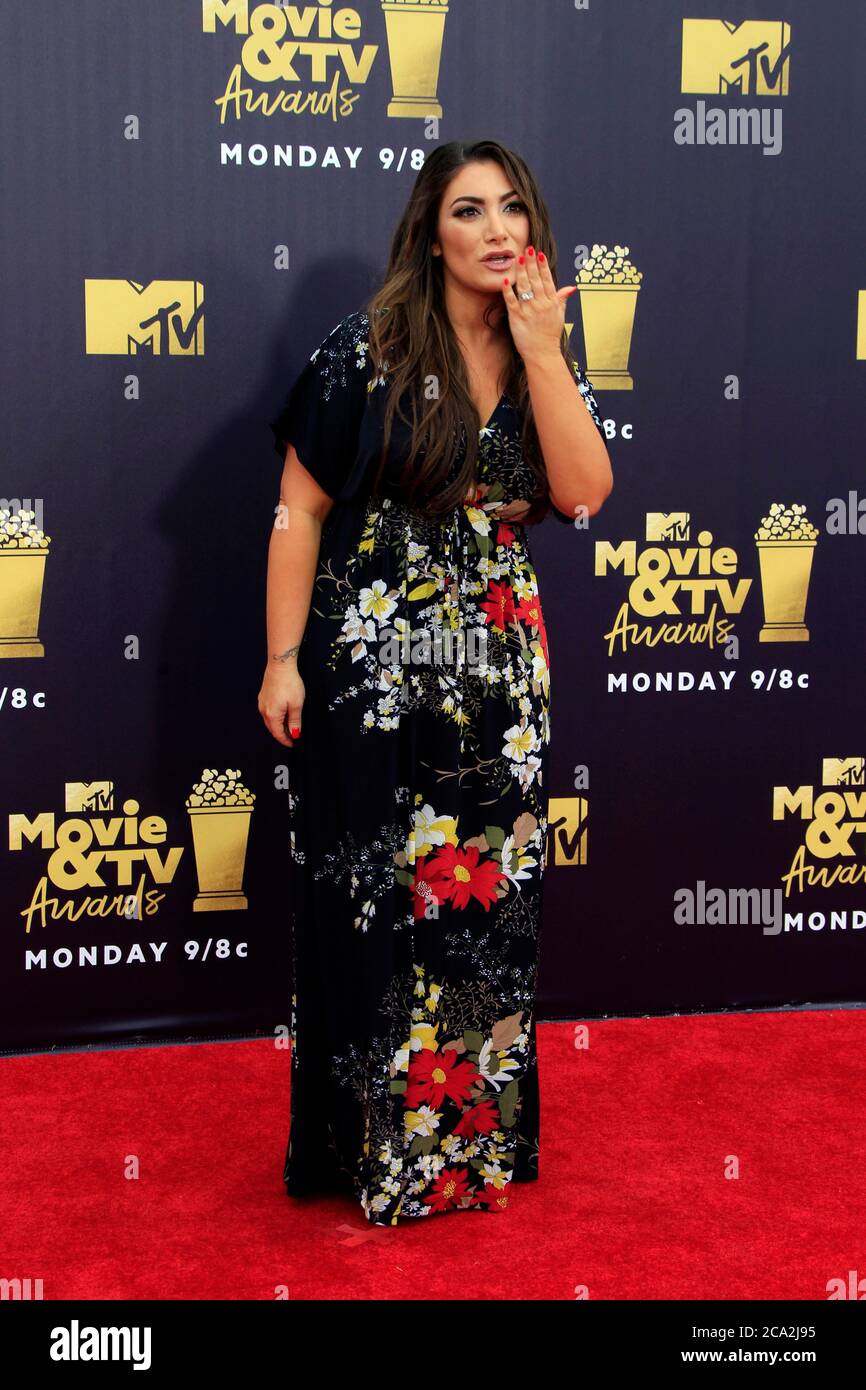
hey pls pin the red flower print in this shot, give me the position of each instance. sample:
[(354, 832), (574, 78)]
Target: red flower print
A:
[(504, 533), (530, 612), (450, 1189), (428, 886), (464, 878), (435, 1075), (499, 604), (479, 1119)]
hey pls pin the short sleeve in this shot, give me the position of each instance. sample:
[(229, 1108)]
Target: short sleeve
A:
[(584, 385), (322, 413)]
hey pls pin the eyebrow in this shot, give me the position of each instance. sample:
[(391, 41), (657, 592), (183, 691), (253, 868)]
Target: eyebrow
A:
[(470, 198)]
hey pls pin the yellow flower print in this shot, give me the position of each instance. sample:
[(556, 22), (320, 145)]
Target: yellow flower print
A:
[(506, 1065), (517, 863), (495, 1176), (520, 740), (523, 587), (478, 520), (540, 669), (423, 1035), (422, 1121), (429, 831), (458, 716), (376, 601)]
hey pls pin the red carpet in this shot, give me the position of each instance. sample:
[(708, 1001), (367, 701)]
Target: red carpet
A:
[(632, 1200)]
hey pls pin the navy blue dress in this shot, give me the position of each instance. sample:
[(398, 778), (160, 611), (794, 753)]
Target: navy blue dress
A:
[(418, 818)]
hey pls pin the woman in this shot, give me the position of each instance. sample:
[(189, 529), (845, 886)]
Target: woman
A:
[(408, 672)]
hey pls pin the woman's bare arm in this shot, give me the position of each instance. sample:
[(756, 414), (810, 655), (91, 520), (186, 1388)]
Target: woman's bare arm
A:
[(293, 553)]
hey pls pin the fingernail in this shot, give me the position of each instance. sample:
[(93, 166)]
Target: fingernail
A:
[(530, 251), (541, 255), (520, 260), (296, 733)]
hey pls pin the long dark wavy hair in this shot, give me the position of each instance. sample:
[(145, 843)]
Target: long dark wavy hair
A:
[(410, 333)]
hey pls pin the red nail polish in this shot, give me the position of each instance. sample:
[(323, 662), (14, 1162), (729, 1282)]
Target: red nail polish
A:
[(296, 733), (505, 281), (530, 251), (520, 260), (541, 255)]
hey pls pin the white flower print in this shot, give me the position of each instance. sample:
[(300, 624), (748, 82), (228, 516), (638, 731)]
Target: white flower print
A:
[(520, 740), (377, 601)]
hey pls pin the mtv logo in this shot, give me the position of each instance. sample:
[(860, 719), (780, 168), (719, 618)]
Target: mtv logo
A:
[(163, 317), (750, 57), (567, 818), (89, 796), (842, 772), (667, 526)]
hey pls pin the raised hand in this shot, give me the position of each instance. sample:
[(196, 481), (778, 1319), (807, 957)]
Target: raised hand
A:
[(536, 324)]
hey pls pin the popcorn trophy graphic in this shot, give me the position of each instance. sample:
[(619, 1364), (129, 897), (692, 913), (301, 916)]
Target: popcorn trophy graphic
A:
[(220, 807), (23, 552), (785, 541), (415, 30), (608, 284)]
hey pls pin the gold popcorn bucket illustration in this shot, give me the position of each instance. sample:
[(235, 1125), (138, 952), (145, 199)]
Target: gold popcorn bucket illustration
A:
[(415, 30), (608, 282), (220, 808), (608, 313), (786, 567), (22, 573), (786, 540)]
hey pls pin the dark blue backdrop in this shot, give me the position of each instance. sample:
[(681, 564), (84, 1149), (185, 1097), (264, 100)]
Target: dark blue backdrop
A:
[(191, 206)]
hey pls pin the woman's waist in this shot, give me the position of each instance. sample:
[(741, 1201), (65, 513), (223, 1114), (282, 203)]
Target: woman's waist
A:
[(472, 517)]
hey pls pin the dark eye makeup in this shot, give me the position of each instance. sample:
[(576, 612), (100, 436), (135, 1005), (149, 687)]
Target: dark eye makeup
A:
[(470, 208)]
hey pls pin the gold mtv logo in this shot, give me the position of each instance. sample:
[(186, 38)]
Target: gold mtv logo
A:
[(751, 57), (842, 772), (567, 819), (162, 317), (89, 796), (667, 526)]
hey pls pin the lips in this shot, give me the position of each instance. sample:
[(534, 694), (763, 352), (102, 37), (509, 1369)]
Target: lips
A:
[(498, 258)]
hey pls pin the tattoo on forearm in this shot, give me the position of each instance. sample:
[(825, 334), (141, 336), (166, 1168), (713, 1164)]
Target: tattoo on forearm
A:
[(288, 653)]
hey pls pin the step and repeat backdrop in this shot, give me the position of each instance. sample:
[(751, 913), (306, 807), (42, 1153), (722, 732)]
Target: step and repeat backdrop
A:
[(194, 195)]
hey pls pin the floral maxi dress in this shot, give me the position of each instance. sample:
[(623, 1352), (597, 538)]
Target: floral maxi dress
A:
[(418, 819)]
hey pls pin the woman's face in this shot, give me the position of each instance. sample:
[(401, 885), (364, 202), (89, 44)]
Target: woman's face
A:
[(480, 214)]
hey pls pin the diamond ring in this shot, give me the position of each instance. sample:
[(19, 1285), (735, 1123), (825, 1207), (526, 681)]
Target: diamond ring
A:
[(527, 294)]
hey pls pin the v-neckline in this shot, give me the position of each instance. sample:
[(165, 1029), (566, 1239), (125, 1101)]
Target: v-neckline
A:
[(494, 413)]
